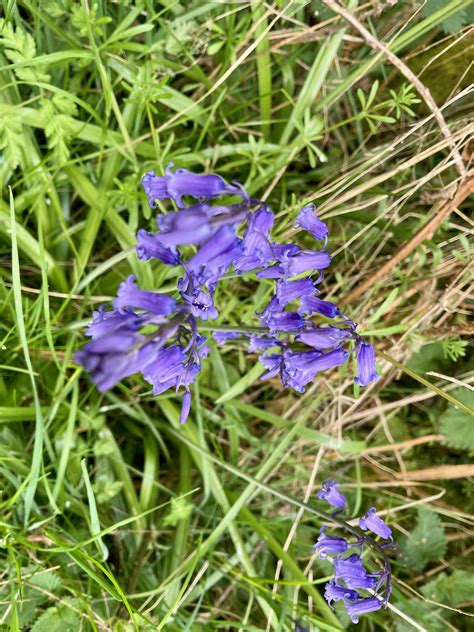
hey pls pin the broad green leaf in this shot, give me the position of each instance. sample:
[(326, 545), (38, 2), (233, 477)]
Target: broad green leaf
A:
[(450, 589), (458, 425), (427, 542), (60, 618)]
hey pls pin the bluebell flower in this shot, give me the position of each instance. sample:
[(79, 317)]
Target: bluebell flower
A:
[(185, 406), (281, 252), (273, 272), (109, 359), (336, 592), (362, 606), (222, 337), (177, 366), (288, 291), (216, 254), (277, 320), (330, 493), (202, 303), (329, 545), (315, 361), (185, 227), (366, 370), (315, 305), (129, 295), (352, 572), (257, 249), (149, 247), (272, 362), (259, 343), (323, 338), (309, 221), (256, 239), (372, 522), (106, 322), (305, 261), (176, 184), (167, 369), (284, 321), (301, 367)]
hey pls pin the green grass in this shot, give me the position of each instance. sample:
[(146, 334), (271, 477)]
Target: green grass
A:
[(115, 517)]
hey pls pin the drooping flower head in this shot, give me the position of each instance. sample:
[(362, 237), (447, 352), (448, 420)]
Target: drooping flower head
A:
[(308, 220), (366, 370), (357, 607), (329, 545), (331, 494), (371, 522)]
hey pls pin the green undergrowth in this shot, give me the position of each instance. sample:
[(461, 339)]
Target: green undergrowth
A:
[(115, 517)]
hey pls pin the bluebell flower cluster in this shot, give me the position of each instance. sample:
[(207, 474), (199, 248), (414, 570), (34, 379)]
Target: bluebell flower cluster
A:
[(215, 226), (360, 591)]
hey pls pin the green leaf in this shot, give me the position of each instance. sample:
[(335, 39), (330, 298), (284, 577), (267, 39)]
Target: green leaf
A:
[(450, 589), (105, 490), (427, 542), (372, 93), (418, 610), (58, 619), (59, 127), (430, 357), (11, 138), (451, 24), (243, 384), (454, 348), (181, 509), (457, 424), (20, 47)]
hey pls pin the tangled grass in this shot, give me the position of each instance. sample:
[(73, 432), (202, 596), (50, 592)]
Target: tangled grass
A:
[(113, 516)]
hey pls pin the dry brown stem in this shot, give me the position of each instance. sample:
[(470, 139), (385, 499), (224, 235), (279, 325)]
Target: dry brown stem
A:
[(464, 190), (439, 472), (403, 445)]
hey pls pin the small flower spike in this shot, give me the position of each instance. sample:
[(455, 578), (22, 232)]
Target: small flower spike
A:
[(371, 522), (366, 371), (360, 591), (331, 494)]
